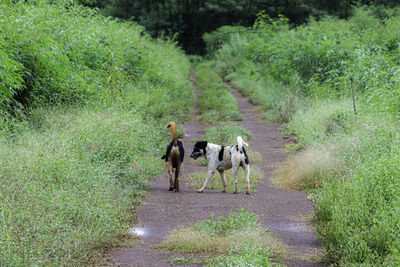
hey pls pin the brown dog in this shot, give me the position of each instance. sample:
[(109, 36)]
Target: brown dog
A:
[(174, 158)]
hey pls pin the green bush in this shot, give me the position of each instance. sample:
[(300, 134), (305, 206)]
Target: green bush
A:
[(320, 121), (216, 39), (244, 255)]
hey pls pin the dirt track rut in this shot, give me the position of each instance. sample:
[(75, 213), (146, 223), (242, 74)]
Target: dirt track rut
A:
[(285, 212)]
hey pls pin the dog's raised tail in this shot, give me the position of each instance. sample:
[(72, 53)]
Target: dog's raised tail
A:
[(241, 142), (174, 134)]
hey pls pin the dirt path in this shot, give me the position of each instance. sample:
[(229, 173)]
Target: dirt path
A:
[(282, 211)]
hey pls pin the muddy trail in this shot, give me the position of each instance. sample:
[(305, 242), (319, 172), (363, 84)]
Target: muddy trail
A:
[(284, 212)]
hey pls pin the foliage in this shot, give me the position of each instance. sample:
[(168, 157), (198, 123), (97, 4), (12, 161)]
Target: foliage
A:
[(188, 20), (365, 218), (221, 35), (351, 148), (68, 188), (71, 54), (244, 255), (82, 130), (221, 226)]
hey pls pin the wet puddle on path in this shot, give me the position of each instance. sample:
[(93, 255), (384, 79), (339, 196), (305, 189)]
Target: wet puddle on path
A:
[(299, 228), (139, 231)]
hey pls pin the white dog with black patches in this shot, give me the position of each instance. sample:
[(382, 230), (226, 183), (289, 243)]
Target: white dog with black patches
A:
[(222, 158)]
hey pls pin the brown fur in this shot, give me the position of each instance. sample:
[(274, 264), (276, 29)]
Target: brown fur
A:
[(174, 160)]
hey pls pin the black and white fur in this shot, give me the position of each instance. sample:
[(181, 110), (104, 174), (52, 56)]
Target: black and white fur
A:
[(221, 158)]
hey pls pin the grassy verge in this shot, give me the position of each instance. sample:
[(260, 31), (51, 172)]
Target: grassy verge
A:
[(84, 129), (305, 77), (278, 102), (216, 103), (196, 180), (236, 240), (69, 188)]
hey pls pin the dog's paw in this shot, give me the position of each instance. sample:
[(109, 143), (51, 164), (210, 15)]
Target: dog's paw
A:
[(171, 189), (247, 193), (235, 192), (223, 191), (199, 191), (177, 190)]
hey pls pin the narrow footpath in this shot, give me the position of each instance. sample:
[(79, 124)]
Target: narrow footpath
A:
[(286, 213)]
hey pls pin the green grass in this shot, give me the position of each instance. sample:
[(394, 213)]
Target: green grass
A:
[(305, 77), (237, 238), (244, 255), (225, 134), (71, 54), (196, 180), (83, 129), (69, 187), (216, 103)]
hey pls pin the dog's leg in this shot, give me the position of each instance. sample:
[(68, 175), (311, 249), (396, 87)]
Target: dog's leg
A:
[(246, 169), (235, 168), (171, 179), (177, 177), (209, 176), (222, 174)]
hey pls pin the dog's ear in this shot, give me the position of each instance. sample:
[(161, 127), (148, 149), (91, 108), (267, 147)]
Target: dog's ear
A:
[(201, 144)]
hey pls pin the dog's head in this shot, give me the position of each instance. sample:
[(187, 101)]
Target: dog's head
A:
[(199, 149)]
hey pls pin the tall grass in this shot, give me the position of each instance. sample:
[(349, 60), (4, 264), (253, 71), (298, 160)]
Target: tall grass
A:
[(216, 103), (65, 54), (85, 102), (69, 187), (305, 77)]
